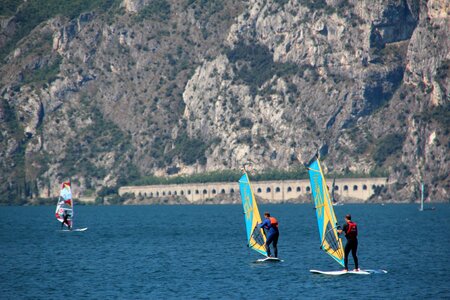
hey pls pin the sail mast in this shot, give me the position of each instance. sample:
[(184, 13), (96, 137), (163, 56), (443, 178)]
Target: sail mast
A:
[(421, 196), (71, 205)]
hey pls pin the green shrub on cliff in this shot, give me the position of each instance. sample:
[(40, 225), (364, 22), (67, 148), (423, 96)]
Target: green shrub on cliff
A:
[(439, 114), (46, 74), (156, 9), (387, 146), (34, 12), (256, 65), (9, 7)]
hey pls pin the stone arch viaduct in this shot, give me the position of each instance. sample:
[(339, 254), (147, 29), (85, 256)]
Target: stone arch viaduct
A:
[(359, 189)]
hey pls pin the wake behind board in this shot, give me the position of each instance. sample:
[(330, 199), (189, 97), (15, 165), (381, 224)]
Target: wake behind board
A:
[(338, 273), (77, 229), (269, 259)]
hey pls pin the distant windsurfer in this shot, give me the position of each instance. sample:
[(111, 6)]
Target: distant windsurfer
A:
[(66, 220), (351, 232), (271, 225)]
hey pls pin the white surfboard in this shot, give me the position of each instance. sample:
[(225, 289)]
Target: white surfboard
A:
[(269, 259), (338, 273)]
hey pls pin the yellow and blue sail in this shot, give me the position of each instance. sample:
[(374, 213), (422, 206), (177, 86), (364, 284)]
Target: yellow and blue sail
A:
[(256, 237), (326, 219)]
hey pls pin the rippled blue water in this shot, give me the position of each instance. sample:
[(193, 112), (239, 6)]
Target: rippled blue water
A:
[(136, 252)]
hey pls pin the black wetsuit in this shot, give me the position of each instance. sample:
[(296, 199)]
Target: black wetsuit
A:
[(352, 245), (66, 221)]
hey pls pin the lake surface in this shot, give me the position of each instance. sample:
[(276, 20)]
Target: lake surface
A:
[(160, 252)]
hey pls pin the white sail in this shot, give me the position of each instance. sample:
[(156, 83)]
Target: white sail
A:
[(65, 204)]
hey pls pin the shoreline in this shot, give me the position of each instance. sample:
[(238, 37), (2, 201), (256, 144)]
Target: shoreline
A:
[(165, 202)]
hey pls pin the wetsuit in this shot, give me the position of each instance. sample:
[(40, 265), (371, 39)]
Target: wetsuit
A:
[(271, 225), (351, 233), (66, 221)]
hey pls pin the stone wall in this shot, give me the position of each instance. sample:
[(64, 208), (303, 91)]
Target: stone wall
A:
[(356, 189)]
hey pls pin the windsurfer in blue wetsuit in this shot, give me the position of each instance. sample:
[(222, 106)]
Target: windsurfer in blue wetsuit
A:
[(271, 225), (351, 232)]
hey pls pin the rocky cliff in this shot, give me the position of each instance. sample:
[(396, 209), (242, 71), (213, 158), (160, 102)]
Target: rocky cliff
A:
[(108, 91)]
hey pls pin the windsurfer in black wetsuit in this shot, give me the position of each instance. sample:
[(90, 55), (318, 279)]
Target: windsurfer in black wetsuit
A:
[(65, 220), (351, 232)]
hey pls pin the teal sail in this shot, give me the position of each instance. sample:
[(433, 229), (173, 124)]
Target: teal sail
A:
[(326, 219), (256, 237)]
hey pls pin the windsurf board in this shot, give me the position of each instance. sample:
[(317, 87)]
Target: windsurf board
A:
[(76, 229), (338, 273), (269, 259)]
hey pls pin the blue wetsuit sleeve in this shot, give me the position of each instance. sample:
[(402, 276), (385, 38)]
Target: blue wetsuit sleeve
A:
[(265, 223)]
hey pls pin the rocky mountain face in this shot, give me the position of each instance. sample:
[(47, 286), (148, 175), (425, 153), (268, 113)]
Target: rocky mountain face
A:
[(137, 87)]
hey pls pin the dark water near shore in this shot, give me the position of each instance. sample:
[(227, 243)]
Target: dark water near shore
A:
[(159, 252)]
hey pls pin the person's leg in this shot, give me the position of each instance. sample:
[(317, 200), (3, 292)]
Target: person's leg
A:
[(268, 242), (355, 258), (275, 244), (346, 253)]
